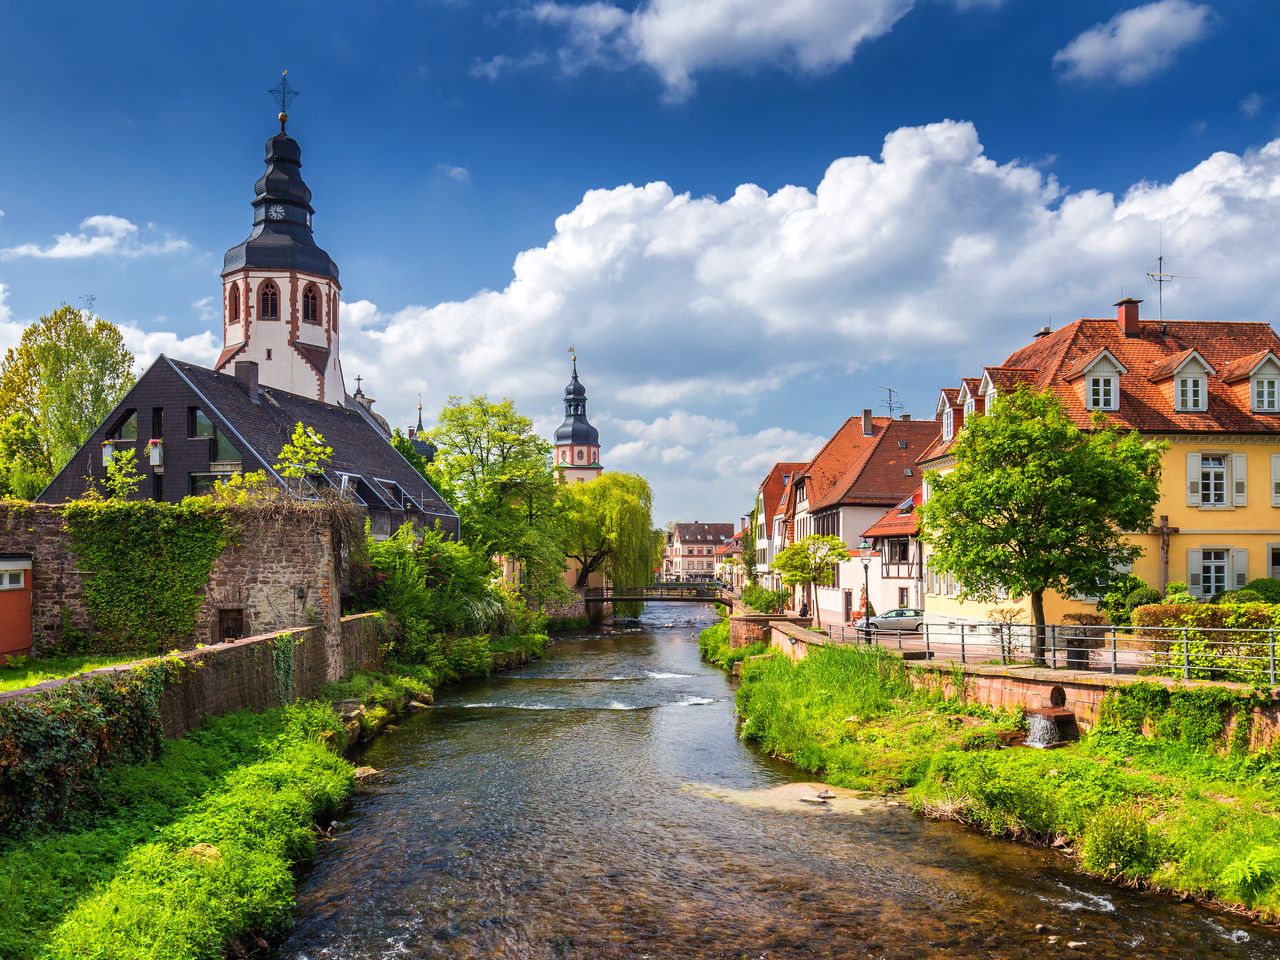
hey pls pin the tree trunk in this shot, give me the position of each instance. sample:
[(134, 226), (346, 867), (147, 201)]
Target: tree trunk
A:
[(817, 614), (1037, 615)]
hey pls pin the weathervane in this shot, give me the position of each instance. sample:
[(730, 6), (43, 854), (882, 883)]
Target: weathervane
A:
[(284, 95)]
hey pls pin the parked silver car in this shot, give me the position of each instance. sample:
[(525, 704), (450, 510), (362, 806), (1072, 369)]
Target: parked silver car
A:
[(905, 620)]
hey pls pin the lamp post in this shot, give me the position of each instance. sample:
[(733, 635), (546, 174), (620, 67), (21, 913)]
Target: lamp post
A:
[(864, 549)]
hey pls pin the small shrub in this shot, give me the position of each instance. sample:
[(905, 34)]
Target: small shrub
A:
[(1248, 596), (765, 601), (1267, 588), (1175, 587), (1253, 873), (1141, 596), (1118, 843)]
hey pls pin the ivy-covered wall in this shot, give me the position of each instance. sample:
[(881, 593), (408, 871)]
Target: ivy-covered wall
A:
[(147, 578)]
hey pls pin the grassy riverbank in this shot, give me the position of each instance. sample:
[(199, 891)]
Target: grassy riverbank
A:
[(191, 856), (1184, 811), (713, 642)]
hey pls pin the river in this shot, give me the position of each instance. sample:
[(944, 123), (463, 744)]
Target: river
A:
[(598, 804)]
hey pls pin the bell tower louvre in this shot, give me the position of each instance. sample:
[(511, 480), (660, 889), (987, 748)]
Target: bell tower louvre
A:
[(280, 289)]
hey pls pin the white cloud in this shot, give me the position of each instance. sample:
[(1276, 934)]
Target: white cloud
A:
[(10, 331), (744, 310), (1251, 105), (458, 174), (102, 235), (146, 345), (679, 38), (1136, 43)]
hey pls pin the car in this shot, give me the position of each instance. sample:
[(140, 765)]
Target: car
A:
[(904, 620)]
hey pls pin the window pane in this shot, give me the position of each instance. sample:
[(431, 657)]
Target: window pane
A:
[(128, 428), (1213, 480), (225, 450), (201, 425)]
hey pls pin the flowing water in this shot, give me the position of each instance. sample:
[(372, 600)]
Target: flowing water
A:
[(598, 804)]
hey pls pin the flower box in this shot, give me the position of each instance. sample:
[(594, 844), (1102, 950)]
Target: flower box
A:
[(108, 452), (155, 452)]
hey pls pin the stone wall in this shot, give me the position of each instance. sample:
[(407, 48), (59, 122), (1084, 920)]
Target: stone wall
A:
[(746, 629), (241, 674), (281, 570)]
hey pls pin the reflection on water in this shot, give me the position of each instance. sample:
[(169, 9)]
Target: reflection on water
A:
[(599, 805)]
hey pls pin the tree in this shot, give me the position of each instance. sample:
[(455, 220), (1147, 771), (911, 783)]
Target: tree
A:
[(810, 563), (67, 373), (122, 480), (495, 470), (749, 547), (608, 527), (22, 474), (1036, 504), (305, 454)]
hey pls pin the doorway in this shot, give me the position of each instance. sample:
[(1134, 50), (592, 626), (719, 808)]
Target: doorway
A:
[(230, 625)]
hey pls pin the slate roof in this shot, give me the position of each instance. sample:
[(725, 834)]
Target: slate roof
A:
[(879, 469), (698, 532), (359, 448)]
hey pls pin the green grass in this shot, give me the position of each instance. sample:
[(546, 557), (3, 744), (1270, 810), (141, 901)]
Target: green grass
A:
[(379, 688), (535, 644), (1178, 812), (713, 642), (28, 672), (222, 784)]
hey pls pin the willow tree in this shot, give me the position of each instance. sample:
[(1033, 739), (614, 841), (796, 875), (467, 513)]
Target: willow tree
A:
[(608, 528)]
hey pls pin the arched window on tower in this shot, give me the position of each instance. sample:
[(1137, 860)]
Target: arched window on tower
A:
[(269, 302), (233, 302), (310, 304)]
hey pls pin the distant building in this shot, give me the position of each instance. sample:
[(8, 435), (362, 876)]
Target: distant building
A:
[(771, 501), (279, 366), (691, 550), (577, 452)]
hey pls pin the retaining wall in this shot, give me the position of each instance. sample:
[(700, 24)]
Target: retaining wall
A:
[(241, 674), (280, 570)]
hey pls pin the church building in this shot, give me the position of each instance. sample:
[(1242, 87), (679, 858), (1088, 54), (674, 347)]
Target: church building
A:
[(577, 453), (280, 366)]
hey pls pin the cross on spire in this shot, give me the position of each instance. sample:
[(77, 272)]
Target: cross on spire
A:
[(359, 380), (284, 95)]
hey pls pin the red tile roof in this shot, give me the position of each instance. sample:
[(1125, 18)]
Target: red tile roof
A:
[(774, 490), (1167, 367), (878, 469), (1145, 405), (1239, 369), (896, 522)]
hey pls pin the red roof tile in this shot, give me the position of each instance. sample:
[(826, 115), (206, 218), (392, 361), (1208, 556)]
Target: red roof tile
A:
[(896, 523), (774, 490), (880, 468), (1145, 405), (1167, 367), (1239, 369)]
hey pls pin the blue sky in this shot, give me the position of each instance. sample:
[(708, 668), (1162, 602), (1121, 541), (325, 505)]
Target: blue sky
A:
[(1019, 163)]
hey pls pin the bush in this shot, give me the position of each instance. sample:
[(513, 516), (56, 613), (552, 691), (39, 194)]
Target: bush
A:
[(1267, 588), (1175, 587), (1217, 653), (1142, 596), (1247, 596), (765, 601), (1115, 599), (1118, 843)]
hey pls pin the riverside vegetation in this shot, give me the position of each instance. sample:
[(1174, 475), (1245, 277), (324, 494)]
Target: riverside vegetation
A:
[(1161, 793), (184, 850)]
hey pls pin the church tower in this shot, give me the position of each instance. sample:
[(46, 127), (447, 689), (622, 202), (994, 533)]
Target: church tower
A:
[(280, 291), (577, 456)]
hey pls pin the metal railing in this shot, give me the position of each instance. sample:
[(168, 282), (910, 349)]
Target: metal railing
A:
[(1230, 654), (705, 590)]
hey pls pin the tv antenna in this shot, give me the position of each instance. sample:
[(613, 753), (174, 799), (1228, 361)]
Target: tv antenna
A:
[(1160, 278), (891, 401)]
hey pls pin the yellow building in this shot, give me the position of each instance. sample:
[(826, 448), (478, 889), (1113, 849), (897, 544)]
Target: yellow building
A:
[(1211, 390)]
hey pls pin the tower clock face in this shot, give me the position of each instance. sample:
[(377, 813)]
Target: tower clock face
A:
[(275, 212)]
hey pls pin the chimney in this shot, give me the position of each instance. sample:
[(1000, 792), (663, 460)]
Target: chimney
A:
[(906, 418), (866, 423), (1127, 316), (1043, 332), (247, 374)]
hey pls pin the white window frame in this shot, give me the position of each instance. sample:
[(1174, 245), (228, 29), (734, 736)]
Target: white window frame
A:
[(1192, 394), (970, 407), (948, 423), (1207, 586), (1266, 395), (1103, 393), (6, 579), (1208, 493)]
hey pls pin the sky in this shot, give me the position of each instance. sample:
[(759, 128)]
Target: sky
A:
[(748, 216)]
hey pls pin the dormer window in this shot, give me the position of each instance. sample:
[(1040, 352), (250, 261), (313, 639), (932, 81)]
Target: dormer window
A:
[(1192, 394), (1266, 395), (970, 407), (1102, 393), (948, 424), (269, 302)]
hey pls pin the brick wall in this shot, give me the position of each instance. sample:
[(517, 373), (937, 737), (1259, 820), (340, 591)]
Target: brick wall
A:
[(281, 571), (746, 629)]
